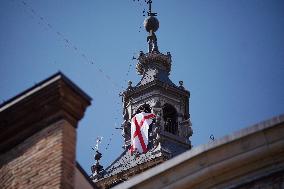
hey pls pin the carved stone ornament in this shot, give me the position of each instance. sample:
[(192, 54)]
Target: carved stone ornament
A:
[(185, 129)]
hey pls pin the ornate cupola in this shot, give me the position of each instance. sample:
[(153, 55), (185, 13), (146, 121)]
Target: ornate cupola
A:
[(155, 93)]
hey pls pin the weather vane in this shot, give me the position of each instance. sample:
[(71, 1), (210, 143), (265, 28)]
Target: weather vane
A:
[(149, 2)]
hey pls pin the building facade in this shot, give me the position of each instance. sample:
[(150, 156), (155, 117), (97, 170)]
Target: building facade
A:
[(38, 136)]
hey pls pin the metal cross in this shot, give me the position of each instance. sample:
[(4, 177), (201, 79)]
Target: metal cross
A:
[(98, 141)]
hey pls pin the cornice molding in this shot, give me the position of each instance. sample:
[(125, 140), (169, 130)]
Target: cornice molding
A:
[(53, 99)]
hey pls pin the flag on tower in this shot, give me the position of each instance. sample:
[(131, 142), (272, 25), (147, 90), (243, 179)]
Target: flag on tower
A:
[(139, 131)]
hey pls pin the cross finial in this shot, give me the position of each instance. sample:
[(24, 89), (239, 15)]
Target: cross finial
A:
[(98, 141)]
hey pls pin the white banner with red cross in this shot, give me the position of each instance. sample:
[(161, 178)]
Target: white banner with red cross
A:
[(139, 131)]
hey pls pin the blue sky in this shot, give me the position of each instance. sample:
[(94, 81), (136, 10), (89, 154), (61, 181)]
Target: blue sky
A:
[(230, 55)]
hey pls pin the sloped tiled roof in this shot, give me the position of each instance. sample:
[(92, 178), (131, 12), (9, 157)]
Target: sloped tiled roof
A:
[(153, 74), (127, 161)]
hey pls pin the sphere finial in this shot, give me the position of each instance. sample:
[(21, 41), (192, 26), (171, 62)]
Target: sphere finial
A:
[(151, 23)]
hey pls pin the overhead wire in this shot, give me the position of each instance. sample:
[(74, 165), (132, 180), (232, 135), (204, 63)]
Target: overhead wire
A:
[(69, 43), (41, 20)]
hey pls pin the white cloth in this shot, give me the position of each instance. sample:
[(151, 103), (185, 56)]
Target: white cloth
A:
[(139, 131)]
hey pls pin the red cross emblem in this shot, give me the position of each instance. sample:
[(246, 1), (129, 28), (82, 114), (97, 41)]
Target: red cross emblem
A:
[(139, 131)]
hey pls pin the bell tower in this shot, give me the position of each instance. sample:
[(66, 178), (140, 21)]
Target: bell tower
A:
[(155, 93)]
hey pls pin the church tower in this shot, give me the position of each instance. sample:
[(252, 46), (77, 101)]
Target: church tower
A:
[(155, 93)]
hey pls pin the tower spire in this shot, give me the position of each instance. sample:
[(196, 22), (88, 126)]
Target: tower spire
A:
[(151, 25)]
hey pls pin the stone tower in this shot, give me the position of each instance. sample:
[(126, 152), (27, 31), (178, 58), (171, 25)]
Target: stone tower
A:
[(156, 93)]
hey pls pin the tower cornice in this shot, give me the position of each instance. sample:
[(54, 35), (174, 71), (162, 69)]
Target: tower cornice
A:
[(156, 84), (161, 60)]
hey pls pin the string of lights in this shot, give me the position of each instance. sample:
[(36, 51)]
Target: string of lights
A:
[(68, 43), (110, 139), (41, 20)]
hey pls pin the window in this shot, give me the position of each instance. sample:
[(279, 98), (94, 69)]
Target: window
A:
[(170, 119)]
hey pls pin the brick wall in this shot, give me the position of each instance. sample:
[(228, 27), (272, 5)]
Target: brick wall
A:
[(38, 135), (44, 160)]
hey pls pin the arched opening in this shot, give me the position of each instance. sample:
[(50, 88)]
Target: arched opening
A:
[(143, 108), (170, 118)]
